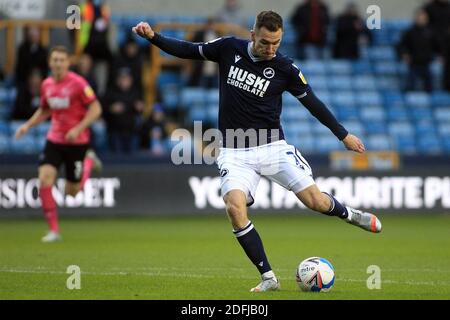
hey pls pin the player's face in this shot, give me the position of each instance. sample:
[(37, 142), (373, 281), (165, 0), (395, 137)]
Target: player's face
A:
[(59, 64), (266, 43)]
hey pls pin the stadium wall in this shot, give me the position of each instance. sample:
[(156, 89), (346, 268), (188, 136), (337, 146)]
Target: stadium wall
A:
[(183, 190), (389, 8)]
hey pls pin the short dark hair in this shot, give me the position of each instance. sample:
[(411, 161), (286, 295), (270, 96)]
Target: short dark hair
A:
[(271, 20), (62, 49)]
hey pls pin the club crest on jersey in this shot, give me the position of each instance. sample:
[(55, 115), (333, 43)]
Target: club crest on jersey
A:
[(248, 81), (269, 73)]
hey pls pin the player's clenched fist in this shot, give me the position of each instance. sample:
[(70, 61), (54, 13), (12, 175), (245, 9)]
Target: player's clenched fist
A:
[(144, 30)]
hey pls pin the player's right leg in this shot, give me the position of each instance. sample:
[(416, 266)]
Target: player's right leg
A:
[(50, 161), (249, 239), (47, 177), (238, 185)]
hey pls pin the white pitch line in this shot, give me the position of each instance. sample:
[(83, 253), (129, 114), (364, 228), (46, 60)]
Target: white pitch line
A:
[(163, 272)]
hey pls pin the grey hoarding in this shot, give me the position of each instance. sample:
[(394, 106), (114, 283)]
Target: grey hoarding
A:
[(168, 189)]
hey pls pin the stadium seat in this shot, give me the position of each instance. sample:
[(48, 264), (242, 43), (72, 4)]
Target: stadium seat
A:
[(404, 144), (298, 128), (421, 113), (440, 99), (192, 95), (198, 113), (375, 127), (442, 114), (345, 113), (311, 67), (372, 114), (4, 128), (382, 53), (378, 142), (361, 67), (305, 144), (341, 82), (339, 67), (444, 130), (401, 129), (429, 144), (354, 127), (213, 113), (326, 143), (318, 128), (397, 114), (418, 98), (324, 96), (170, 96), (212, 96), (343, 98), (364, 82), (386, 68), (369, 98), (318, 82), (389, 82), (26, 145), (425, 127)]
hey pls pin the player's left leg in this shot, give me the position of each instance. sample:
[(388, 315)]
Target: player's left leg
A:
[(79, 162), (325, 203)]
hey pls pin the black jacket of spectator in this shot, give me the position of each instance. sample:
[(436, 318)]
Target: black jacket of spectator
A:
[(30, 56), (418, 42), (301, 20), (124, 121), (439, 17), (349, 28)]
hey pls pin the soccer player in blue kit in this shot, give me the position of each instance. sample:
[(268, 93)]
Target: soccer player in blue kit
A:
[(253, 76)]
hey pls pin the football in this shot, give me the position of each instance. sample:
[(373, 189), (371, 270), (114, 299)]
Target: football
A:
[(315, 274)]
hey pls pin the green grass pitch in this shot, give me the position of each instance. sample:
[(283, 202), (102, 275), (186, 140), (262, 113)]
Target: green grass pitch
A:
[(190, 258)]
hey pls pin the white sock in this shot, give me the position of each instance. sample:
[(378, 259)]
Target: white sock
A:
[(268, 275), (350, 214)]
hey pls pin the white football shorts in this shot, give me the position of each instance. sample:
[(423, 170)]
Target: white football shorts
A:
[(280, 162)]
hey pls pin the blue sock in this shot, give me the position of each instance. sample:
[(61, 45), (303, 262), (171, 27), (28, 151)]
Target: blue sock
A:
[(252, 244), (337, 209)]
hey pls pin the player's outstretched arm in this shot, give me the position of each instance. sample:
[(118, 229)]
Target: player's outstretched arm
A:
[(39, 116), (178, 48), (93, 113)]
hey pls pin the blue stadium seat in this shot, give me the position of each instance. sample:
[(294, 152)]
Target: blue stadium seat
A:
[(343, 98), (382, 53), (364, 82), (397, 114), (318, 128), (212, 96), (355, 127), (369, 98), (342, 82), (318, 82), (324, 96), (404, 144), (425, 127), (421, 113), (377, 142), (295, 113), (170, 96), (305, 144), (389, 82), (198, 113), (444, 130), (192, 95), (373, 113), (26, 145), (99, 135), (4, 128), (386, 68), (327, 143), (298, 128), (442, 114), (393, 98), (213, 113), (339, 67), (375, 127), (4, 143), (362, 67), (311, 67), (429, 144), (347, 113), (401, 129), (440, 99), (414, 99), (43, 127)]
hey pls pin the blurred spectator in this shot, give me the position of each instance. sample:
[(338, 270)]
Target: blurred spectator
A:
[(204, 73), (31, 55), (416, 48), (28, 96), (446, 56), (94, 38), (129, 57), (310, 20), (231, 13), (2, 74), (439, 20), (350, 29), (84, 68), (122, 111), (153, 131)]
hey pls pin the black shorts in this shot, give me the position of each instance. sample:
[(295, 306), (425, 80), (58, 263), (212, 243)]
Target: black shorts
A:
[(71, 155)]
